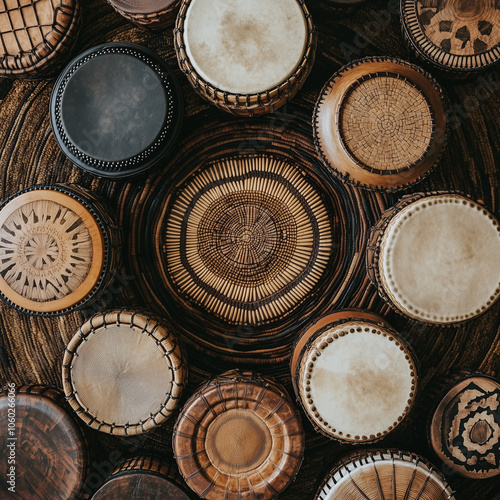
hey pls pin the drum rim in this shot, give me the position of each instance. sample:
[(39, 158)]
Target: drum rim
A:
[(464, 71), (267, 101), (374, 250), (380, 181), (168, 343), (165, 140), (71, 31), (72, 191), (120, 7), (313, 336)]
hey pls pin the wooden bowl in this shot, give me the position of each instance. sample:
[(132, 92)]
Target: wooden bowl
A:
[(151, 14), (379, 123)]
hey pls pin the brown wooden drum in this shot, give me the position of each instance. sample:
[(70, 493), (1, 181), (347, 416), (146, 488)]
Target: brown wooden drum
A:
[(124, 372), (458, 37), (465, 427), (144, 478), (239, 438), (394, 474), (246, 57), (44, 454), (380, 123), (37, 36), (151, 14), (59, 248), (354, 376), (434, 258)]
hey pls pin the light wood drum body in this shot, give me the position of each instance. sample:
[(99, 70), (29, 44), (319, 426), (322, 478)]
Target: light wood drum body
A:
[(239, 438), (245, 56), (151, 14), (465, 427), (46, 446), (393, 474), (123, 372), (354, 376), (59, 249), (434, 258)]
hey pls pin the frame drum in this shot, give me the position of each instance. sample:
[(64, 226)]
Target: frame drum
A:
[(151, 14)]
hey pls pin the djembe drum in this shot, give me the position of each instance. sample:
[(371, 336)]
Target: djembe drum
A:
[(45, 444), (59, 248), (124, 372), (393, 474), (380, 123), (37, 36), (354, 376), (434, 258), (151, 14), (246, 57), (116, 110), (457, 37), (238, 437), (465, 427)]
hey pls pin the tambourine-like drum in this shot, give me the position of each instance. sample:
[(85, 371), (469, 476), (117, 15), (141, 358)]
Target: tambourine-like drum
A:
[(246, 57), (37, 36), (59, 248), (124, 372), (457, 37), (354, 376), (44, 450), (465, 427), (380, 123), (394, 474), (116, 110), (143, 478), (434, 258), (239, 437), (151, 14)]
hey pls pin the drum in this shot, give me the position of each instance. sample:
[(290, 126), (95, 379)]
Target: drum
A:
[(44, 451), (379, 123), (151, 14), (59, 248), (354, 376), (394, 474), (116, 110), (238, 437), (36, 37), (434, 258), (246, 57), (459, 38), (107, 381), (143, 478), (465, 428)]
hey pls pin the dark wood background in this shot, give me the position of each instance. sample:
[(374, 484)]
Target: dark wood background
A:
[(31, 349)]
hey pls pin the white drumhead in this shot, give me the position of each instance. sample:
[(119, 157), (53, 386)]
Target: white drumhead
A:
[(120, 375), (439, 259), (245, 46), (357, 381)]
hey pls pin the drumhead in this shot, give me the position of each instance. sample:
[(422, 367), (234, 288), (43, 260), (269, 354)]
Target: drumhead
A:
[(439, 259), (142, 6), (357, 381), (245, 46)]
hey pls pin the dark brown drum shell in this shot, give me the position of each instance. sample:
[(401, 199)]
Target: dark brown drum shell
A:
[(50, 449), (156, 20), (46, 55), (236, 466)]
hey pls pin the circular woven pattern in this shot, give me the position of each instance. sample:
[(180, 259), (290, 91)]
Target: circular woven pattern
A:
[(109, 384), (391, 474), (454, 273), (386, 121), (238, 436), (356, 380), (458, 35), (247, 239)]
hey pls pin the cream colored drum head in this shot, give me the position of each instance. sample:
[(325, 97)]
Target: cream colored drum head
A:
[(357, 381), (439, 259), (245, 46)]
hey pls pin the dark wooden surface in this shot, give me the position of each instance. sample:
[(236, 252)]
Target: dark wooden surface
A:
[(31, 349)]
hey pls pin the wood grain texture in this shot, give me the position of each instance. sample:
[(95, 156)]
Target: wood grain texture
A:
[(32, 348)]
